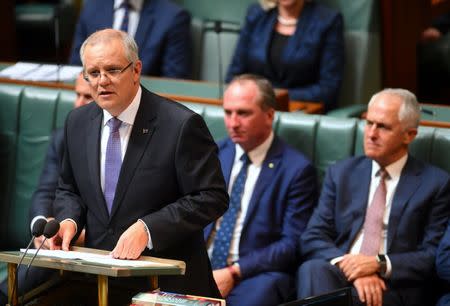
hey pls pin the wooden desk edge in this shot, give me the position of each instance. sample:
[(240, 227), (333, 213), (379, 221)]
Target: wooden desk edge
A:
[(175, 267)]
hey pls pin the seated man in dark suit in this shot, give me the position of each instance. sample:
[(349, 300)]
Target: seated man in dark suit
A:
[(380, 216), (160, 28), (443, 264), (253, 248), (42, 200)]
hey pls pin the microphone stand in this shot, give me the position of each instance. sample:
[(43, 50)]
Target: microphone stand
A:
[(218, 30), (37, 230)]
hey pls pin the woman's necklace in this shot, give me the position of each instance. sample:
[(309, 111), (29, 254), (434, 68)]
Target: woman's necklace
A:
[(287, 22)]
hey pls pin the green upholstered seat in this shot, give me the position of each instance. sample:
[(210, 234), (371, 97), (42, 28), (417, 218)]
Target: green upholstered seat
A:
[(9, 118), (299, 131), (226, 40), (335, 140), (30, 114), (362, 75)]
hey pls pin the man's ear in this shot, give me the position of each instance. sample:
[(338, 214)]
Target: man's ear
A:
[(409, 135)]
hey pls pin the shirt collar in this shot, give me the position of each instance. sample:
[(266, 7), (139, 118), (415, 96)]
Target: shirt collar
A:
[(258, 154), (136, 4), (129, 114), (394, 170)]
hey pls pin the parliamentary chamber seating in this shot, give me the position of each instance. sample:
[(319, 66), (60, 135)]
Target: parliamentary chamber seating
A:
[(362, 35), (29, 114)]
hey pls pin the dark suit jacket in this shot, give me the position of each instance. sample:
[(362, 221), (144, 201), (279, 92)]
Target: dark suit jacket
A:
[(280, 206), (418, 217), (43, 197), (443, 265), (163, 35), (313, 59), (170, 178)]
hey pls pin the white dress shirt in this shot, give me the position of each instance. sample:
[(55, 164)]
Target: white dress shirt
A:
[(133, 15), (257, 157)]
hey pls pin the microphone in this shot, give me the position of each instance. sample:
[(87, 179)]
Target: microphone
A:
[(37, 230), (50, 230)]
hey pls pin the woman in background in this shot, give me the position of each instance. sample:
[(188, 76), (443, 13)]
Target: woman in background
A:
[(296, 44)]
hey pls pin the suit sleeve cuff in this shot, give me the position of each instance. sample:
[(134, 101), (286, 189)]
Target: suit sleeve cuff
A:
[(150, 243)]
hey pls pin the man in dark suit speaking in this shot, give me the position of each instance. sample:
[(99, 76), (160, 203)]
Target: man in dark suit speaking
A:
[(380, 216), (140, 172)]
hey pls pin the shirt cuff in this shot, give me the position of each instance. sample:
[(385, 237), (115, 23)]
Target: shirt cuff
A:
[(73, 221), (388, 267), (150, 243), (336, 260), (34, 221)]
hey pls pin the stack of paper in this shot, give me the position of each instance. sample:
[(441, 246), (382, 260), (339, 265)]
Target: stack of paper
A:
[(41, 72)]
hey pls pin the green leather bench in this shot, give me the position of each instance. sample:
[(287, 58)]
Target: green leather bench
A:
[(28, 115)]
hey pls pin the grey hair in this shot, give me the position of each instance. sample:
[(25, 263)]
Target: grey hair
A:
[(409, 113), (270, 4), (267, 97), (106, 35)]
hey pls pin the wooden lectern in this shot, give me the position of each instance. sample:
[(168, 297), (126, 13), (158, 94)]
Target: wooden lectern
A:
[(171, 267)]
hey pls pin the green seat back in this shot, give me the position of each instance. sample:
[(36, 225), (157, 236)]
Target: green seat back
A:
[(217, 49), (214, 119), (335, 140), (35, 126), (440, 149), (9, 129), (299, 131)]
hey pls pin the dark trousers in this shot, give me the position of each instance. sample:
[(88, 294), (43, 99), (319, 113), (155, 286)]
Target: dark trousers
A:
[(318, 276), (265, 289)]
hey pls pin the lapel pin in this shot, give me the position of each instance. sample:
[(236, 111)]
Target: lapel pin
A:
[(270, 165), (144, 131)]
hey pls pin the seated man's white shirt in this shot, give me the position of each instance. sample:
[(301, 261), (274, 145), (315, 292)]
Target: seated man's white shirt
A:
[(395, 171), (257, 157)]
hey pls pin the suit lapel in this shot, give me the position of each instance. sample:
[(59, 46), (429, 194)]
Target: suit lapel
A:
[(227, 155), (295, 41), (269, 168), (409, 182), (145, 24), (93, 133), (227, 152), (143, 129), (267, 34), (359, 185)]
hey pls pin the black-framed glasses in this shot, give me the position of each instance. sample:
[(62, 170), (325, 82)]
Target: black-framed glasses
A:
[(113, 73)]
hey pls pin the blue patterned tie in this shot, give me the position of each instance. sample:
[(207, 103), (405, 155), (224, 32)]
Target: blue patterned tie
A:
[(113, 161), (126, 6), (222, 240)]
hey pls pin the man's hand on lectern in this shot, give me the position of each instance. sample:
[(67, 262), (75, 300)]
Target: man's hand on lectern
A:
[(132, 242), (65, 235)]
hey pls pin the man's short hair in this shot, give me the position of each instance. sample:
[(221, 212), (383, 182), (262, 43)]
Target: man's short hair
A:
[(409, 113), (106, 35), (267, 97)]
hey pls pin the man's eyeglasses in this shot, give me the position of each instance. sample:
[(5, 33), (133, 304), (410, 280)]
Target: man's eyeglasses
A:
[(95, 75)]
